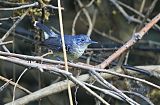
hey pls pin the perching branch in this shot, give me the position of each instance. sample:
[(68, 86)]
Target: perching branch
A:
[(51, 69), (36, 65), (88, 68)]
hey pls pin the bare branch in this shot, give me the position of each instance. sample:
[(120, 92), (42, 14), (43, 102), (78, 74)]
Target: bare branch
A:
[(88, 18), (12, 18), (129, 18), (20, 7), (137, 36), (5, 85), (137, 12), (14, 25), (4, 43), (13, 83), (52, 69)]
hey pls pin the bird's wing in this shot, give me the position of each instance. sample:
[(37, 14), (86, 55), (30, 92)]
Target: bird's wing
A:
[(53, 43), (47, 31)]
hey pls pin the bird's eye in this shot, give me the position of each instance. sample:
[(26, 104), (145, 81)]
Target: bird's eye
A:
[(82, 40)]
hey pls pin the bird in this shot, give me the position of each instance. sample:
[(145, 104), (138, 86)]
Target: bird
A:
[(75, 44)]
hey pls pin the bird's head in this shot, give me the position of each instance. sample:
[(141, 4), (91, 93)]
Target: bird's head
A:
[(80, 43), (83, 40)]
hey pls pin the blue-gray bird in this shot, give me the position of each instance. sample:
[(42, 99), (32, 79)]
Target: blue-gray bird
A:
[(75, 45)]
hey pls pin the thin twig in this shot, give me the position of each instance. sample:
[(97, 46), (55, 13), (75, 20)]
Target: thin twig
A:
[(50, 6), (90, 3), (105, 91), (87, 16), (12, 18), (10, 4), (104, 34), (14, 25), (107, 36), (74, 21), (139, 95), (110, 86), (64, 49), (148, 13), (101, 49), (4, 47), (20, 7), (4, 43), (78, 14), (136, 12), (13, 83), (11, 29), (53, 7), (89, 90), (142, 6), (129, 18), (14, 89), (130, 77), (5, 85)]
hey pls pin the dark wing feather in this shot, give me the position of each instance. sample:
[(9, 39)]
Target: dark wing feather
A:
[(55, 43), (43, 27)]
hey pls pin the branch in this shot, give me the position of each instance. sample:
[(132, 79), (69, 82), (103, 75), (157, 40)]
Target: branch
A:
[(11, 29), (152, 69), (88, 68), (137, 36), (13, 83), (87, 16), (4, 43), (52, 89), (105, 91), (20, 7), (4, 85), (129, 18), (148, 13), (140, 96), (111, 87), (10, 4), (42, 4), (9, 18), (137, 12), (78, 14), (57, 87), (51, 69)]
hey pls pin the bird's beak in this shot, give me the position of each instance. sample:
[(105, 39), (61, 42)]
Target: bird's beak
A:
[(93, 41)]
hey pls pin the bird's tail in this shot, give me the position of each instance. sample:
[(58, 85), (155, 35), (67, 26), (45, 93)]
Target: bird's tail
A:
[(47, 31)]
